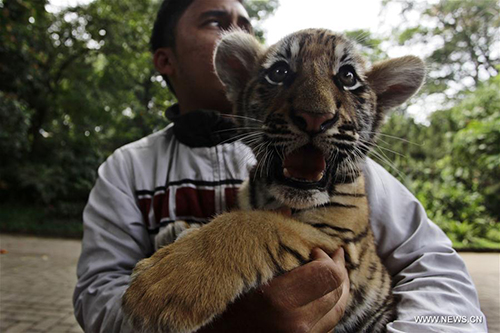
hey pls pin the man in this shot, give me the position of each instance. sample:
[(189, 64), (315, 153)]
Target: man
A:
[(191, 170)]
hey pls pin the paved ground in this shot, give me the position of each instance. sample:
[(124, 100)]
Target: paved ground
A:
[(485, 271), (37, 277)]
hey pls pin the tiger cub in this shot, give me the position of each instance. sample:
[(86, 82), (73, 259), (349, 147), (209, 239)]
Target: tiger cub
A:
[(315, 107)]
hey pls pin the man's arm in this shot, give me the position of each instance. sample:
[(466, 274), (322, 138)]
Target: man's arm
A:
[(114, 240), (429, 277)]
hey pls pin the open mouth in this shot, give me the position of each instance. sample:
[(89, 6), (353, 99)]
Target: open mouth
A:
[(304, 167)]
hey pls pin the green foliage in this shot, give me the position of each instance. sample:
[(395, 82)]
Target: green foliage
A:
[(14, 124), (67, 82), (453, 165), (460, 37), (36, 220)]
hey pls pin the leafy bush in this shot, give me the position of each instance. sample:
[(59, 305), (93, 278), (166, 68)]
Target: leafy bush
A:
[(453, 165)]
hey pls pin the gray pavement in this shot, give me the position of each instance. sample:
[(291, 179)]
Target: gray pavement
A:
[(37, 276), (484, 269)]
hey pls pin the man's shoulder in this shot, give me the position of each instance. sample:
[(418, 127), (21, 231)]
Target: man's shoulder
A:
[(153, 140), (382, 187), (145, 149), (371, 167)]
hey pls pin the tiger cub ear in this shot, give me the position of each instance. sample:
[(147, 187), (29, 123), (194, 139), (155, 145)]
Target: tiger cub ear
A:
[(396, 80), (235, 58)]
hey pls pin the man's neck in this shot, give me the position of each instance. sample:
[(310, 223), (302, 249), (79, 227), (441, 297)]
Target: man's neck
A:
[(201, 128), (187, 105)]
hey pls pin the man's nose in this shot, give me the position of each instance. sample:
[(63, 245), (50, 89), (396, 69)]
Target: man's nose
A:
[(314, 123)]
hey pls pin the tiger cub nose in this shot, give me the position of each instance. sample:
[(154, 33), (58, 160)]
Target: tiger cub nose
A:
[(314, 123)]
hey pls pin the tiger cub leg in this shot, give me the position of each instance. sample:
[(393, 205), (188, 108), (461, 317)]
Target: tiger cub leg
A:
[(185, 285)]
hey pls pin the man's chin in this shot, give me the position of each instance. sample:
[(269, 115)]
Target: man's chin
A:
[(221, 103)]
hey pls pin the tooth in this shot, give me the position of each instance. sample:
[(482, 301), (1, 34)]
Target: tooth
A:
[(286, 173), (318, 178)]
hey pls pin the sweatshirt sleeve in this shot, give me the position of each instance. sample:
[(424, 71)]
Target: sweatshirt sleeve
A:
[(430, 280), (114, 240)]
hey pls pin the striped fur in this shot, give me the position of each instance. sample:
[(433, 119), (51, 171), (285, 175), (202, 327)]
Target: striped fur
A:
[(185, 285)]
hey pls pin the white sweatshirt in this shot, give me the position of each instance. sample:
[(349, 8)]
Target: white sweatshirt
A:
[(148, 184)]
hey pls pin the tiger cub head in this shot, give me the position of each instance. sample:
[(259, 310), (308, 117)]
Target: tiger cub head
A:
[(310, 107)]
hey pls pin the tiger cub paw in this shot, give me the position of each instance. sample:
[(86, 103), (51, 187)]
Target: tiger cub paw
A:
[(177, 289)]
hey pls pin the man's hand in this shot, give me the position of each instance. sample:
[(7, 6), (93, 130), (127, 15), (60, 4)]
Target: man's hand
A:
[(310, 298)]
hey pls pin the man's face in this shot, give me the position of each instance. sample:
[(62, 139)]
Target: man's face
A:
[(197, 33)]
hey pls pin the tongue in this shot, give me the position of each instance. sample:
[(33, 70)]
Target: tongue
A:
[(305, 163)]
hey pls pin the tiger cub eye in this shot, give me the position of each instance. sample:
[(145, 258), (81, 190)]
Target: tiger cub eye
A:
[(346, 76), (278, 73)]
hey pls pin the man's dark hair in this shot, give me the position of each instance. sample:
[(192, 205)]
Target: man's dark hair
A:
[(163, 34), (166, 21)]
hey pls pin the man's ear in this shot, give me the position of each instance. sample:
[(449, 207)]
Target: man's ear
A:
[(396, 80), (163, 60), (235, 58)]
